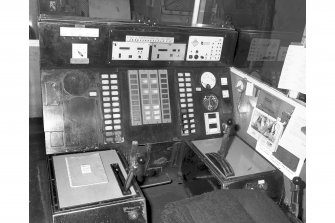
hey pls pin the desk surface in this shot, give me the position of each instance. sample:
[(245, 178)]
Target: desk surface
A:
[(241, 157)]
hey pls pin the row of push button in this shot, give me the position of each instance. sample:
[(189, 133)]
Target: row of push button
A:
[(111, 108)]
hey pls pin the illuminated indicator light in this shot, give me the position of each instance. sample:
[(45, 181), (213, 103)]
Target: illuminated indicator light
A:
[(108, 122), (188, 84), (189, 89), (116, 110), (186, 132), (182, 100), (190, 99), (115, 98), (224, 81), (93, 94), (193, 126), (225, 93), (116, 115), (107, 116), (114, 87), (107, 105), (105, 87), (109, 133), (117, 127), (113, 81), (182, 89), (105, 93), (190, 104), (117, 121), (144, 81), (187, 74), (182, 95), (155, 91), (106, 99), (190, 110), (183, 105), (198, 89), (192, 130), (115, 93), (104, 81), (185, 126), (181, 85), (181, 79), (191, 115), (180, 74), (156, 106), (188, 79), (185, 121), (154, 81), (108, 127), (104, 75), (189, 94), (107, 110), (113, 75), (115, 104), (192, 121)]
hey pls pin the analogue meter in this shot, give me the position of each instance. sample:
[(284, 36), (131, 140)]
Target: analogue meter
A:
[(208, 80), (210, 102)]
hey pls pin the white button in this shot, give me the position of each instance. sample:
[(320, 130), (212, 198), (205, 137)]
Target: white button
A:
[(190, 99), (116, 115), (185, 126), (105, 93), (192, 121), (113, 75), (105, 87), (105, 82), (108, 116), (190, 105), (187, 74), (189, 89), (156, 106), (181, 79), (148, 117), (116, 110), (183, 105), (115, 104), (191, 115), (154, 81), (180, 74), (224, 81), (106, 99), (190, 110), (157, 117), (104, 75), (225, 94), (184, 116), (108, 127), (117, 127), (192, 130), (145, 91), (115, 93), (156, 112), (114, 87), (185, 121), (107, 105), (93, 94), (182, 89), (117, 121), (182, 100), (107, 110), (192, 126), (186, 132), (181, 85), (188, 84), (198, 89), (155, 91), (108, 122), (113, 81), (115, 98), (147, 112), (188, 79), (144, 81), (189, 95), (182, 95), (147, 107)]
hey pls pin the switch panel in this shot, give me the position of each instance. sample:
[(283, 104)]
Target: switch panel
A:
[(165, 52), (130, 51), (134, 94), (149, 39), (212, 123), (111, 108), (204, 48)]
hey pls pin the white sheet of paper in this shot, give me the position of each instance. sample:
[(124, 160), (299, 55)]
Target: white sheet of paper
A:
[(293, 74)]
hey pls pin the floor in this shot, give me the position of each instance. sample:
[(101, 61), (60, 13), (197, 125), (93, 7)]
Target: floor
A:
[(39, 197)]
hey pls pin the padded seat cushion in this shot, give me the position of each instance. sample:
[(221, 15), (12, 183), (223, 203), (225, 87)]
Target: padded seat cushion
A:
[(225, 206)]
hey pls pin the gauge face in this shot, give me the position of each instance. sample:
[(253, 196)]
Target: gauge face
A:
[(208, 80), (210, 102)]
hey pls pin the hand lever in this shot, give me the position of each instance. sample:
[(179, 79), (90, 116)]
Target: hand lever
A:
[(226, 139), (295, 188)]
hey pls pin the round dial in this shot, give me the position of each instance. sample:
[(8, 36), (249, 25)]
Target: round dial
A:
[(210, 102), (208, 80)]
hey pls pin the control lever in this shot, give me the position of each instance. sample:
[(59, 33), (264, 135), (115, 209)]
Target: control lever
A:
[(296, 186), (226, 139), (136, 166)]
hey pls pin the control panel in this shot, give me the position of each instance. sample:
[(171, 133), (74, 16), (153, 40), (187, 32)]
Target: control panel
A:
[(130, 51), (204, 48)]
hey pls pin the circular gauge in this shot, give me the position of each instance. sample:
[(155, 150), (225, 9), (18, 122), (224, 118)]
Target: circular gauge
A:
[(208, 80), (210, 102)]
